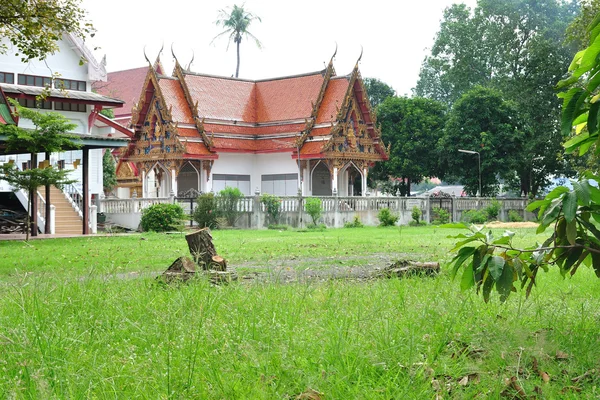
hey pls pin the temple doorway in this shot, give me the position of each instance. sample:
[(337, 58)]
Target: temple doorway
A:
[(321, 180), (188, 180), (158, 182)]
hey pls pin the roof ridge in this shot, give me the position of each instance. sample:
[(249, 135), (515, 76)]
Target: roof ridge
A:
[(320, 72)]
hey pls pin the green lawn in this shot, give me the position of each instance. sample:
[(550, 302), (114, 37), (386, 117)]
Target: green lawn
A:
[(73, 326)]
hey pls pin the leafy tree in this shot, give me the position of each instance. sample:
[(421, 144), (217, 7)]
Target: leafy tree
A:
[(482, 121), (47, 136), (517, 47), (412, 126), (574, 215), (36, 26), (378, 91), (236, 23), (577, 31), (109, 174)]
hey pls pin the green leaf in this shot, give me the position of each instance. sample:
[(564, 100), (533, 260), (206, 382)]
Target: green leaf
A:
[(574, 254), (576, 140), (596, 263), (570, 206), (462, 243), (593, 117), (496, 266), (460, 258), (555, 193), (588, 60), (583, 192), (488, 284), (576, 60), (550, 215), (538, 203), (504, 285), (468, 280), (572, 231)]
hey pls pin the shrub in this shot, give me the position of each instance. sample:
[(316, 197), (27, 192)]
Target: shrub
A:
[(279, 227), (162, 218), (354, 224), (205, 214), (440, 216), (315, 227), (514, 216), (228, 204), (416, 214), (272, 205), (314, 209), (474, 216), (386, 218), (493, 210)]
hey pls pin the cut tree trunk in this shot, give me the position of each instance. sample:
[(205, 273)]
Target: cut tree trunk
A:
[(203, 251), (403, 268), (182, 269)]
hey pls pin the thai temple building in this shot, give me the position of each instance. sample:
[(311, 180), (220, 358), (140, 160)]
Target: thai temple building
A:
[(313, 133)]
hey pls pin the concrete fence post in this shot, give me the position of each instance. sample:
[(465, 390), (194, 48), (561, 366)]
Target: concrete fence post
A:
[(52, 219), (93, 219)]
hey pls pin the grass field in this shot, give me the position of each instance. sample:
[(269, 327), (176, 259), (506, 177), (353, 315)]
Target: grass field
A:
[(75, 324)]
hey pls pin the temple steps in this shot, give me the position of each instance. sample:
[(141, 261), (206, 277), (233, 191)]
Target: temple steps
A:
[(68, 220)]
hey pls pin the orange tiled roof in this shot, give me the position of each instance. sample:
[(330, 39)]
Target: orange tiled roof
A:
[(188, 132), (334, 94), (124, 85), (196, 149), (222, 98), (174, 96), (312, 148), (254, 130), (287, 98), (257, 146), (321, 131)]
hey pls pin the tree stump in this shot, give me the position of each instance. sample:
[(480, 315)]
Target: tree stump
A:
[(182, 269), (203, 251), (403, 268)]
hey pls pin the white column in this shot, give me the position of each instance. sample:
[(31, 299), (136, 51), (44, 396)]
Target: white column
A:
[(364, 181), (307, 180), (209, 182), (144, 185), (52, 219), (93, 220), (174, 181), (334, 185)]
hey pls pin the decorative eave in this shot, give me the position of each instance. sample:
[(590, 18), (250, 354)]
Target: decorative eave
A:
[(179, 73)]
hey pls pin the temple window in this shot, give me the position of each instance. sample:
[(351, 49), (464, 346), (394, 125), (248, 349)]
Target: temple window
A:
[(7, 77), (242, 182), (70, 84), (32, 80), (280, 184)]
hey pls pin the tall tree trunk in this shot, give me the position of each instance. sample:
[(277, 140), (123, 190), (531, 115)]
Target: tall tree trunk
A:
[(47, 228), (34, 200), (28, 224), (237, 69)]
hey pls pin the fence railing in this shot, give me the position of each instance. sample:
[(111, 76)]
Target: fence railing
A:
[(336, 210)]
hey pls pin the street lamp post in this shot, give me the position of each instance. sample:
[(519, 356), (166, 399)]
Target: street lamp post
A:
[(478, 164)]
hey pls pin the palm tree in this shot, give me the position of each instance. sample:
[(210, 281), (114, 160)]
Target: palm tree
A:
[(236, 23)]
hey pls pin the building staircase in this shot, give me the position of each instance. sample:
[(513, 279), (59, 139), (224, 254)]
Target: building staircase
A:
[(67, 220)]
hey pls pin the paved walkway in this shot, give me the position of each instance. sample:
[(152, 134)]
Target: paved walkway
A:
[(21, 236)]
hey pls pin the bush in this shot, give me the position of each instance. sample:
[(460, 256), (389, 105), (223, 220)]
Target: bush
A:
[(440, 216), (228, 204), (493, 210), (416, 214), (386, 218), (314, 209), (474, 216), (514, 216), (272, 207), (354, 224), (280, 227), (205, 214), (315, 227), (162, 218), (420, 223)]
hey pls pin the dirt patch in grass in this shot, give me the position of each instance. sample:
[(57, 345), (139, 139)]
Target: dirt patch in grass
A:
[(512, 225)]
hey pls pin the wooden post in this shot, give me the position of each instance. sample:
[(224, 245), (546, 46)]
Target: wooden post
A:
[(86, 189), (34, 200), (47, 230)]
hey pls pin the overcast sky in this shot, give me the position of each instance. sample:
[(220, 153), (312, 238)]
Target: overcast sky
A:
[(297, 37)]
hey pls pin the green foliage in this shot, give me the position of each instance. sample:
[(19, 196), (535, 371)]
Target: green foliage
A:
[(35, 27), (518, 48), (272, 205), (378, 91), (493, 210), (228, 204), (279, 227), (440, 216), (206, 211), (481, 120), (354, 224), (236, 23), (416, 214), (386, 217), (108, 112), (514, 216), (474, 216), (109, 174), (411, 126), (314, 208), (162, 218)]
